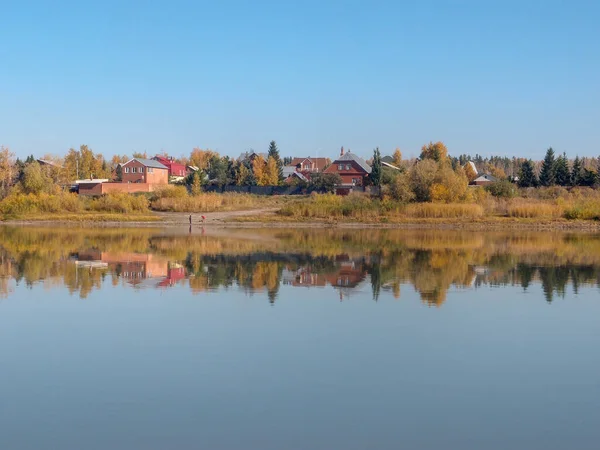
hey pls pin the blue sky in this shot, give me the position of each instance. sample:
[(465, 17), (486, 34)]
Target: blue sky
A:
[(489, 77)]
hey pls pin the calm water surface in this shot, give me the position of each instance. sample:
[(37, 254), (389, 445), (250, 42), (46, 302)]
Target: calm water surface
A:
[(287, 339)]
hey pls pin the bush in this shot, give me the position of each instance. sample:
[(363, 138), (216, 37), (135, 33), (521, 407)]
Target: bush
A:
[(502, 189)]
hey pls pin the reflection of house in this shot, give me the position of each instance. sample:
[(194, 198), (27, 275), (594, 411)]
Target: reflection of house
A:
[(134, 267), (351, 168), (349, 275)]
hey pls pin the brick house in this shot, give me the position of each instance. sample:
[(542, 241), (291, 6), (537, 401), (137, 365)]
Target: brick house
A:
[(149, 171), (351, 168), (175, 169)]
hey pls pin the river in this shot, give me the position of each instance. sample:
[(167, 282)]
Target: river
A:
[(115, 338)]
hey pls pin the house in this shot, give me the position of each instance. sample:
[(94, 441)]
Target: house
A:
[(175, 169), (309, 164), (484, 180), (149, 171), (351, 168)]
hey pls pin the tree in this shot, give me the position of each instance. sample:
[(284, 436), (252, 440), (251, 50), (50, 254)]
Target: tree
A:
[(397, 157), (449, 186), (201, 158), (548, 172), (422, 177), (83, 163), (562, 175), (259, 167), (576, 172), (324, 182), (527, 177), (437, 151), (196, 187), (470, 172), (7, 169), (34, 179), (141, 155), (274, 153), (272, 173), (375, 175), (400, 188)]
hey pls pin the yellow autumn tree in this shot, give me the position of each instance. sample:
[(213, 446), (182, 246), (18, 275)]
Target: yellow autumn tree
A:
[(7, 169), (437, 152), (449, 186), (84, 163), (271, 172), (201, 158), (470, 172), (397, 157), (259, 167)]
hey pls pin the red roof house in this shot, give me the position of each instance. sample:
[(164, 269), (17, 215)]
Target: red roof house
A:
[(175, 169)]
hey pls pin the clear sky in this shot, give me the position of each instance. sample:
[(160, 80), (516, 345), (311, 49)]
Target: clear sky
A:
[(491, 77)]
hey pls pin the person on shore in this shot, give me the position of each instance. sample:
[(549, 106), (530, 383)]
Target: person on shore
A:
[(202, 219), (190, 220)]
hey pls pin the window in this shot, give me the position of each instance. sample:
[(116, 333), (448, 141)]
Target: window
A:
[(126, 169), (347, 166), (141, 170), (150, 170), (354, 181), (340, 167), (133, 169)]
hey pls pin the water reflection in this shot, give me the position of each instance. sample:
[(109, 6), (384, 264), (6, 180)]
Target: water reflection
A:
[(343, 261)]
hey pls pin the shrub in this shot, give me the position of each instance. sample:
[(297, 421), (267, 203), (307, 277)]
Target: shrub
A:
[(502, 189)]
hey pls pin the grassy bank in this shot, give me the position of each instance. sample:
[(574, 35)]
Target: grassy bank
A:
[(539, 206)]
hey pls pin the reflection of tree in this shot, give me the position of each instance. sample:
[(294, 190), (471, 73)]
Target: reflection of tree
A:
[(432, 262)]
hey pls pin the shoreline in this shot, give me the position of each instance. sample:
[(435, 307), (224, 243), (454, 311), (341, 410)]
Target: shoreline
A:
[(228, 220)]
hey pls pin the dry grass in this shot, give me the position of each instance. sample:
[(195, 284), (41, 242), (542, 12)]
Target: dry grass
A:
[(444, 211), (533, 210), (211, 202)]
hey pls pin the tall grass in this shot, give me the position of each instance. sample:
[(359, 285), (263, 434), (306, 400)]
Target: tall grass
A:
[(171, 200), (18, 204), (444, 211)]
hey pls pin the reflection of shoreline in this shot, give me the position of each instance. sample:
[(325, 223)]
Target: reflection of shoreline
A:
[(342, 261)]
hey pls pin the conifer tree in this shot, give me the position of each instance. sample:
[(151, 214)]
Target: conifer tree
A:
[(576, 172), (548, 172), (376, 168), (274, 153), (562, 175), (527, 177)]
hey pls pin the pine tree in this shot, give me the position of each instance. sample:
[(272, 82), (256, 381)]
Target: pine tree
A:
[(376, 168), (548, 172), (274, 153), (527, 177), (576, 172), (562, 175)]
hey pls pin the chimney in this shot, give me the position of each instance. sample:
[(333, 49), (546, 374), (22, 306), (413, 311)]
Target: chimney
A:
[(342, 152)]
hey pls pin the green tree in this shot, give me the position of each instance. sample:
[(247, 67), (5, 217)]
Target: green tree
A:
[(422, 177), (34, 179), (324, 182), (548, 172), (274, 153), (400, 188), (196, 187), (562, 175), (375, 175), (527, 176), (576, 172)]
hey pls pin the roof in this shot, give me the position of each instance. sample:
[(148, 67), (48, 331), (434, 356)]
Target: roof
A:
[(485, 177), (49, 163), (472, 164), (391, 166), (148, 163), (388, 159), (246, 155), (320, 163), (348, 156)]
